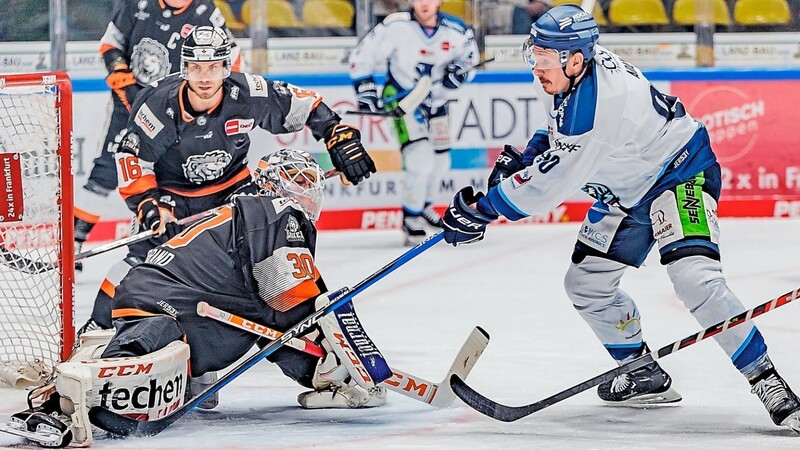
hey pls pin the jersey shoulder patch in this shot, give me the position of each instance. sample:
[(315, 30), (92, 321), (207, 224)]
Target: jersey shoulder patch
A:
[(257, 85), (216, 18), (450, 21), (397, 17), (146, 120)]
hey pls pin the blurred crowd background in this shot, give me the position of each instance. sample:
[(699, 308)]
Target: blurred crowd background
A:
[(28, 20)]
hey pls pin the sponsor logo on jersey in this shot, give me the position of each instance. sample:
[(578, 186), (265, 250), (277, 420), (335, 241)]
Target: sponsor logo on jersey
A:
[(446, 46), (235, 92), (257, 84), (237, 126), (186, 30), (520, 178), (148, 121), (594, 236), (293, 232), (208, 135), (216, 17), (201, 9)]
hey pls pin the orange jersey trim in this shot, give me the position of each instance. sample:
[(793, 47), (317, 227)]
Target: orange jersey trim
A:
[(143, 184), (306, 290), (135, 312), (108, 288), (214, 188), (85, 216)]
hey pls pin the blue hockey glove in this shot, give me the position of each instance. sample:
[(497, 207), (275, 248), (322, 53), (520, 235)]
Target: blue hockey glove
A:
[(367, 95), (454, 75), (464, 225), (508, 162)]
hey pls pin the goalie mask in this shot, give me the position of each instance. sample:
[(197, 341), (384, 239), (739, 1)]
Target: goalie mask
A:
[(293, 174), (206, 45)]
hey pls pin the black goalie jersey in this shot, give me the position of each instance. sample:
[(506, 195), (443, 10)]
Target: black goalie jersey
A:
[(146, 35), (167, 148), (255, 258)]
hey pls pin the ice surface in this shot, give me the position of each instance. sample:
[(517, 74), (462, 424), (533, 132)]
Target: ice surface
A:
[(511, 285)]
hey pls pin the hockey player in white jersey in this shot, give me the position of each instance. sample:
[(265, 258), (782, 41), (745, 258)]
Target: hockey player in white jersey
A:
[(656, 180), (410, 45)]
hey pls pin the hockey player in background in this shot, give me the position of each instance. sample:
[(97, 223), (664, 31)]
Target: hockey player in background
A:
[(141, 45), (656, 180), (254, 258), (186, 147), (410, 45)]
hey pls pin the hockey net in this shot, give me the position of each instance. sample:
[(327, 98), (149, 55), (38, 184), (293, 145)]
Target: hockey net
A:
[(36, 236)]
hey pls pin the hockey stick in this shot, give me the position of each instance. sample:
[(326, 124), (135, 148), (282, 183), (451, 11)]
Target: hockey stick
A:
[(505, 413), (125, 426), (27, 265), (401, 382), (407, 104)]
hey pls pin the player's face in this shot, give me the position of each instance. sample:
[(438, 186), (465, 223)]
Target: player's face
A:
[(553, 79), (425, 11), (205, 78)]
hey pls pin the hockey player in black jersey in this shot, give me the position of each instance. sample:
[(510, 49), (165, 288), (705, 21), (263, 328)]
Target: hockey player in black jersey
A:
[(141, 45), (255, 258), (187, 142)]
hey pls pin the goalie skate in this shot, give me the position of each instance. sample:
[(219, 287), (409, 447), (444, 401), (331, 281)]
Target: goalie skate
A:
[(48, 430)]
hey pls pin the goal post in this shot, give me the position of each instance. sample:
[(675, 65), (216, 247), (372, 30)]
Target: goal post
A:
[(37, 269)]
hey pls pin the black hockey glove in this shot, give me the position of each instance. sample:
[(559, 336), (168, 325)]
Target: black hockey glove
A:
[(367, 95), (157, 215), (454, 75), (464, 225), (508, 162), (348, 154), (123, 84)]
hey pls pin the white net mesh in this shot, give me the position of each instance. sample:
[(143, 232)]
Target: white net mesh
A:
[(31, 288)]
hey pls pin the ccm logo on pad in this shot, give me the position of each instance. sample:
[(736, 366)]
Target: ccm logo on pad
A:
[(236, 126)]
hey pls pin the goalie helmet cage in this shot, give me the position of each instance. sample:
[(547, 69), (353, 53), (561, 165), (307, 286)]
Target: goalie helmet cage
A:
[(36, 226)]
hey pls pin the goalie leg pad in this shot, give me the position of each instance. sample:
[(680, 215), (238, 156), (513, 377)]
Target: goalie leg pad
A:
[(346, 338), (146, 387)]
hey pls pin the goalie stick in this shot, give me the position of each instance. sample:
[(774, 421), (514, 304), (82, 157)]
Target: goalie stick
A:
[(505, 413), (401, 382), (31, 266), (125, 426)]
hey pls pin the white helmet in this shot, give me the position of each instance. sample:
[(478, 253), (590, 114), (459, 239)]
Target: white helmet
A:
[(206, 44), (293, 174)]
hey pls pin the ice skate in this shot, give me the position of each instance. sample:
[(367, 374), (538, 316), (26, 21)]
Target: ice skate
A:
[(347, 396), (413, 230), (648, 385), (431, 220), (43, 424), (781, 403)]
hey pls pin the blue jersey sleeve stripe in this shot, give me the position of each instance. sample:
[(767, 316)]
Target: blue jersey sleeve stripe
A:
[(503, 205)]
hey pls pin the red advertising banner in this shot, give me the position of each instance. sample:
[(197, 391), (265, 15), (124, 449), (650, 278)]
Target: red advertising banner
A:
[(752, 127)]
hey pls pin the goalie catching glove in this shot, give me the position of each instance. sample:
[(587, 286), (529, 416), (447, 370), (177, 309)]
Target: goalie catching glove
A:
[(348, 154), (349, 374)]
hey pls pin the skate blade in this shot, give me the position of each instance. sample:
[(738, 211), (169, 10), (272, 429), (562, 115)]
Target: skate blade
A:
[(670, 396), (792, 422), (44, 435)]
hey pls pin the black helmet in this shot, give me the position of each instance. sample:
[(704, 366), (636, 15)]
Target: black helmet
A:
[(205, 44)]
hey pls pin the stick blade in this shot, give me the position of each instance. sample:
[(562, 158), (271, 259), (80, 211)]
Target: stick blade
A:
[(462, 365), (484, 405), (415, 98)]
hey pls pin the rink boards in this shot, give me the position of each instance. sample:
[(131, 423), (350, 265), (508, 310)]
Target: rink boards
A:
[(750, 114)]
